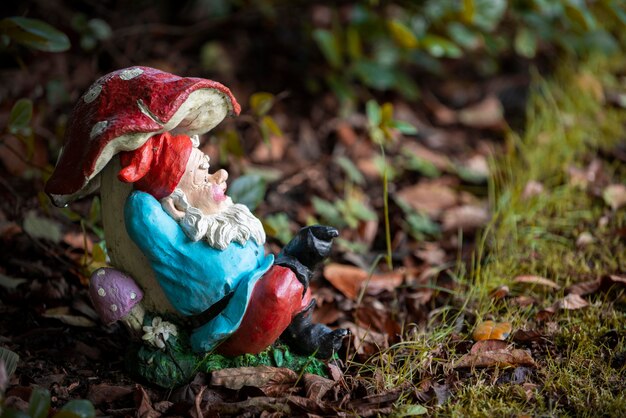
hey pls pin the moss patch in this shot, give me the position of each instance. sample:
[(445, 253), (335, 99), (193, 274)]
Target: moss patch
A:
[(580, 355)]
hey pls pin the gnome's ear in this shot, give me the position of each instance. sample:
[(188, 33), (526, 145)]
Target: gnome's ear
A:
[(136, 164)]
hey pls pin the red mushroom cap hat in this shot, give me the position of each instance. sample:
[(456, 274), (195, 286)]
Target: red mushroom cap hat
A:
[(121, 111)]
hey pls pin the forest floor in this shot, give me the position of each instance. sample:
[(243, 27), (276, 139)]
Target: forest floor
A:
[(507, 229)]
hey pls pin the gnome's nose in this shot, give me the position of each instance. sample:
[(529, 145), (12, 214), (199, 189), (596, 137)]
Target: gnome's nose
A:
[(220, 176)]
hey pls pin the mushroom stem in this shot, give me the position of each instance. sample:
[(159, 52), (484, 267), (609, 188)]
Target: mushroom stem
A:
[(134, 320)]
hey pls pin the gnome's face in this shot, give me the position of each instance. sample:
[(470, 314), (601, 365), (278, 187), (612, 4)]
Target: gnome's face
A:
[(204, 191)]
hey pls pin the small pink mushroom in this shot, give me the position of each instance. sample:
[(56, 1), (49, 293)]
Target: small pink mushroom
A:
[(116, 296)]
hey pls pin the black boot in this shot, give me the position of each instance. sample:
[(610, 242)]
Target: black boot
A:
[(307, 338), (303, 253)]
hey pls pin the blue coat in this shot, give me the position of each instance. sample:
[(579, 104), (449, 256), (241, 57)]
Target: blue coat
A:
[(194, 275)]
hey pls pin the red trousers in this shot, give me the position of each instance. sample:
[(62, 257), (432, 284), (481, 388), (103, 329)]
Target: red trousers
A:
[(275, 300)]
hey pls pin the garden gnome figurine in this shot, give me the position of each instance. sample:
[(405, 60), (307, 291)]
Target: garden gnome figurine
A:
[(205, 252)]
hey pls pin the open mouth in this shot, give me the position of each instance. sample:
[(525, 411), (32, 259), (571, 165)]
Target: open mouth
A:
[(219, 192)]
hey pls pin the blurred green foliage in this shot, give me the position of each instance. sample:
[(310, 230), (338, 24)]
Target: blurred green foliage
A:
[(383, 45), (378, 45), (33, 34), (39, 407)]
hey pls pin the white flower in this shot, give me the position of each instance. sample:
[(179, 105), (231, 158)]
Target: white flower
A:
[(159, 332)]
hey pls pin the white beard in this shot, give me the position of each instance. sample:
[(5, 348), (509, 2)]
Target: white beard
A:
[(236, 223)]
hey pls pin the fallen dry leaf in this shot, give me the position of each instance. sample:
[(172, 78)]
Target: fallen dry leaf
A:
[(429, 197), (523, 301), (317, 386), (440, 161), (431, 253), (104, 393), (500, 292), (526, 336), (495, 358), (532, 188), (78, 240), (144, 408), (584, 239), (63, 314), (614, 195), (572, 302), (545, 314), (274, 151), (483, 346), (466, 217), (259, 377), (365, 341), (486, 114), (538, 280), (350, 279), (491, 330)]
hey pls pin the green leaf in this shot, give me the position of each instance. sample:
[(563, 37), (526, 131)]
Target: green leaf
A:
[(526, 43), (271, 125), (425, 167), (471, 176), (42, 228), (14, 413), (10, 360), (39, 403), (98, 254), (580, 15), (21, 115), (463, 36), (34, 34), (375, 75), (78, 408), (248, 190), (360, 211), (278, 227), (421, 226), (402, 35), (489, 13), (353, 43), (386, 114), (469, 9), (328, 211), (95, 211), (351, 170), (261, 103), (411, 411), (329, 45), (404, 127), (99, 29), (441, 47), (374, 113)]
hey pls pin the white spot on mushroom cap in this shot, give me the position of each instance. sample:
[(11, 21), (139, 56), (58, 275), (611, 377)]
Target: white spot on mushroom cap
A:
[(93, 93), (102, 292), (101, 272), (133, 295), (98, 128), (114, 307), (130, 73)]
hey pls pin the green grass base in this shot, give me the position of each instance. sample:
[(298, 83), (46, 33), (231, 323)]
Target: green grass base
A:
[(176, 364)]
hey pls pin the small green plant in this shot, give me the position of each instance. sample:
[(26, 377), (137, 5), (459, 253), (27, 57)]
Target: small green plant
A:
[(383, 128)]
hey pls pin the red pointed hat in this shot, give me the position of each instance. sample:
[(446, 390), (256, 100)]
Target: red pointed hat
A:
[(158, 165), (121, 111)]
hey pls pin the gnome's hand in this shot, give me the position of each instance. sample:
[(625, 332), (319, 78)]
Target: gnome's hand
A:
[(306, 250)]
